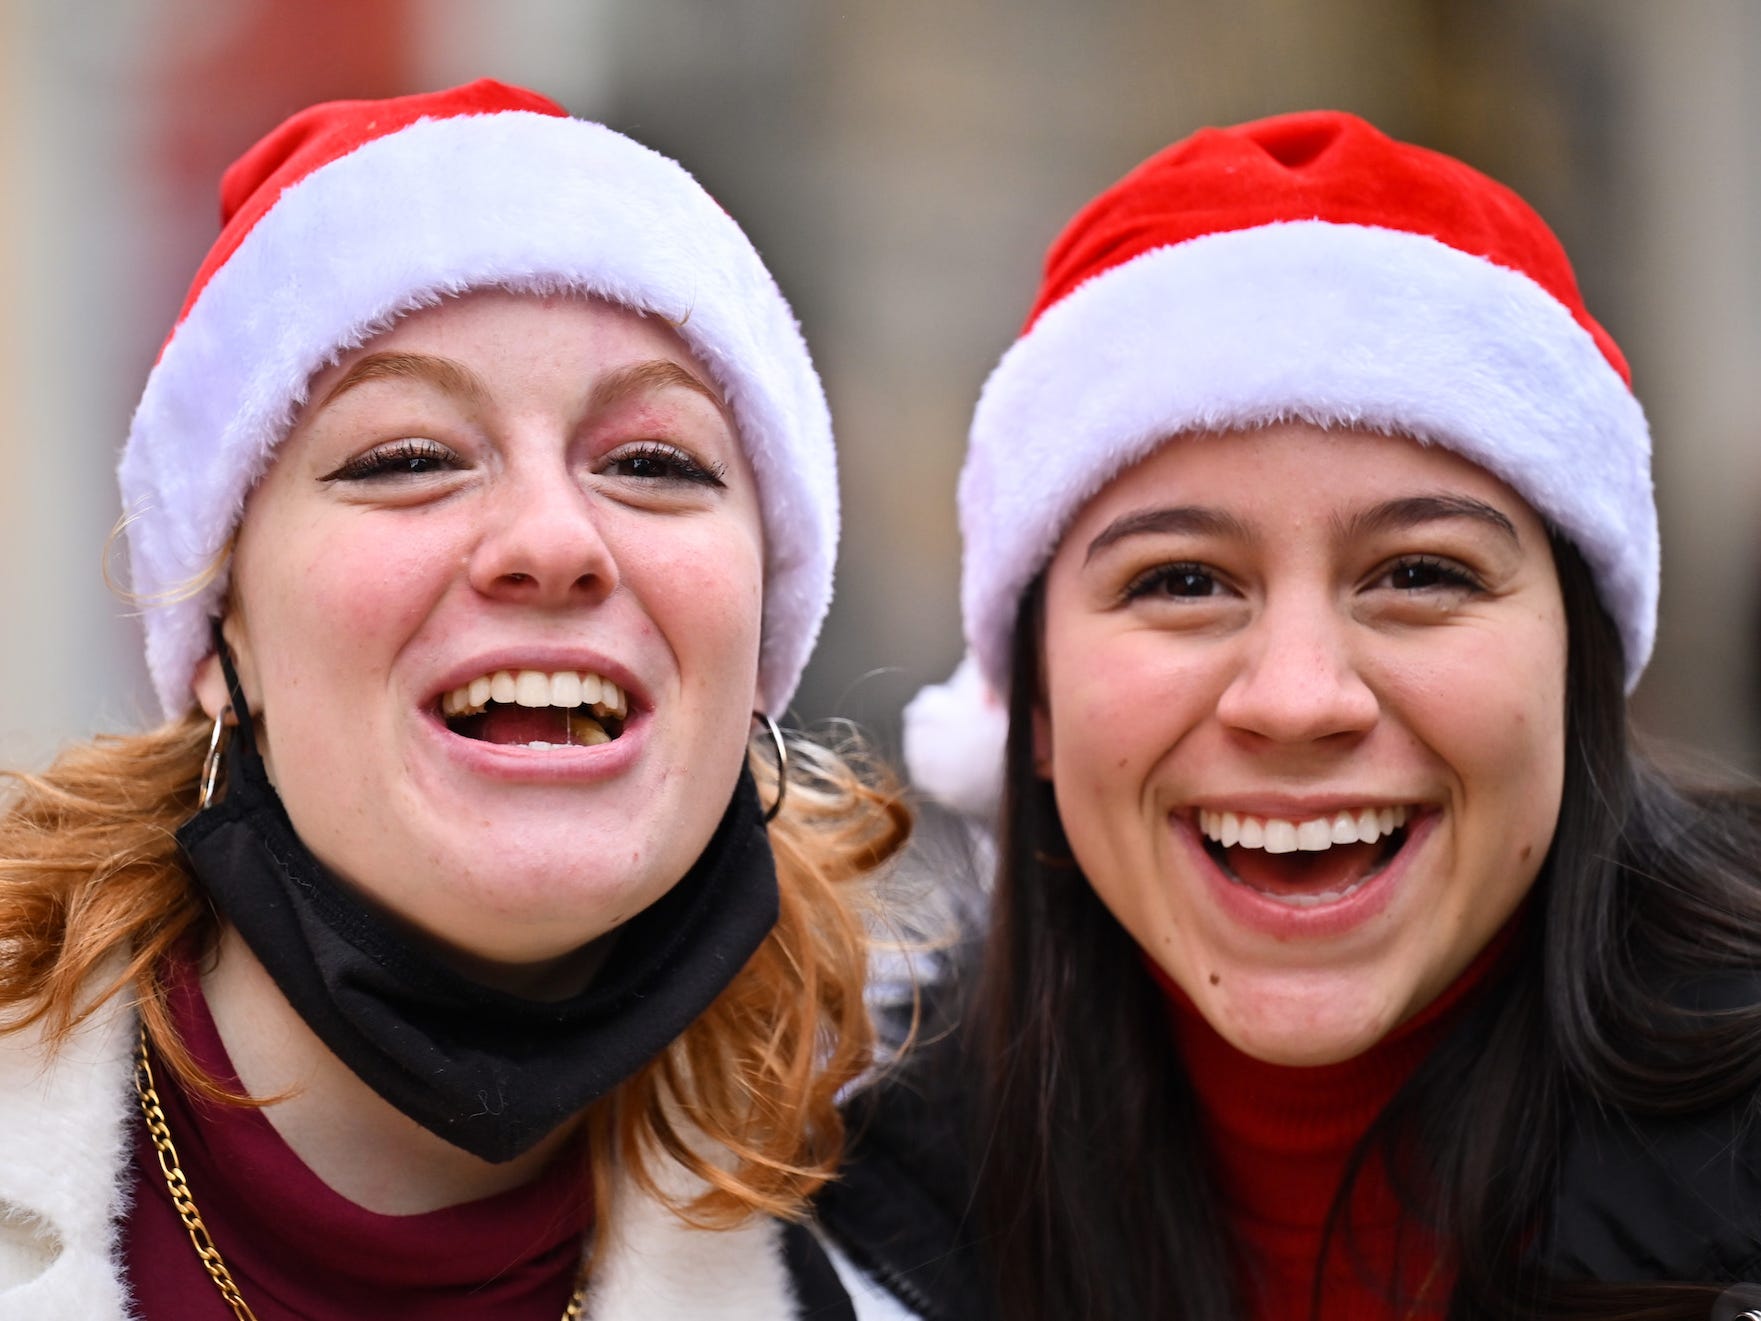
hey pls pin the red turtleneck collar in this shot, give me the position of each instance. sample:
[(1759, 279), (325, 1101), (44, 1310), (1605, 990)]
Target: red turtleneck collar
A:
[(300, 1251), (1278, 1138)]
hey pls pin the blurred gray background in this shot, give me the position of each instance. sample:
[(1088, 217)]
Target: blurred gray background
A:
[(902, 165)]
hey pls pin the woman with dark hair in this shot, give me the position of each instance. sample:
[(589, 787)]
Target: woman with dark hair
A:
[(460, 945), (1346, 958)]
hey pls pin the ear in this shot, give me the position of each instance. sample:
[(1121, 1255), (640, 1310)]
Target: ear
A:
[(1042, 740), (209, 682), (209, 686)]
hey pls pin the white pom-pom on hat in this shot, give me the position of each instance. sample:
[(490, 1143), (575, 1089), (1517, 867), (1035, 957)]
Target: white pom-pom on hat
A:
[(955, 735)]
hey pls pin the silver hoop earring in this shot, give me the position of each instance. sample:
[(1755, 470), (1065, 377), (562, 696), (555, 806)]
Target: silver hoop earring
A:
[(776, 738), (211, 763)]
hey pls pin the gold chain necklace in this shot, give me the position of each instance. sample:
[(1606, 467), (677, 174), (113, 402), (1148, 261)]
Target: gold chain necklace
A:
[(181, 1198)]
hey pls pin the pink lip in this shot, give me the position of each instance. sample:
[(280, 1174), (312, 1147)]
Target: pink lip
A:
[(1246, 907), (554, 765)]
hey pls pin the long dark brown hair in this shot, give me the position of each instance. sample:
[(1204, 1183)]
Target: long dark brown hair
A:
[(1095, 1199)]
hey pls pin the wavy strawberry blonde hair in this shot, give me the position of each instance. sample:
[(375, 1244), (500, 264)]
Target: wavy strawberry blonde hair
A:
[(91, 881)]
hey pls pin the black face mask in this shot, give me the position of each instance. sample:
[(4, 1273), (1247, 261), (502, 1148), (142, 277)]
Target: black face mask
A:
[(490, 1072)]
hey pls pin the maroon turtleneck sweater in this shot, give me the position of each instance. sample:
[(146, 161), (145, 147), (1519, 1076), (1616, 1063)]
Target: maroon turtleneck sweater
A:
[(302, 1252), (1278, 1139)]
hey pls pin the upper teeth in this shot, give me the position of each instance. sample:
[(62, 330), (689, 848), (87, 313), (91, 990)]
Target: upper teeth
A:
[(565, 688), (1275, 835)]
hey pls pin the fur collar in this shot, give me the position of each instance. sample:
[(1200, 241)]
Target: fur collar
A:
[(64, 1133)]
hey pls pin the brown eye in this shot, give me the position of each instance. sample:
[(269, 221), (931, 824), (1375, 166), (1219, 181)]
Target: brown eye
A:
[(1185, 581), (655, 462), (1426, 574), (403, 458)]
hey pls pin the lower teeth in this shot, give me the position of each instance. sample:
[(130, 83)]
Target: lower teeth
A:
[(1311, 900)]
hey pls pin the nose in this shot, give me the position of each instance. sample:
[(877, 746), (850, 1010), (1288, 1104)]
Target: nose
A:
[(542, 542), (1298, 680)]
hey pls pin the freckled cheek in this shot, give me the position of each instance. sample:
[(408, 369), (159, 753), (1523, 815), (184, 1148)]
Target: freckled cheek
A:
[(374, 591), (325, 601), (707, 599)]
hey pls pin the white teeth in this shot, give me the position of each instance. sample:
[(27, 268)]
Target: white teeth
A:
[(1316, 898), (1369, 826), (566, 689), (532, 688), (1313, 835)]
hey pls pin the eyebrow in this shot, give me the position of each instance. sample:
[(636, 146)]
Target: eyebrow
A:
[(1415, 510), (655, 374), (1389, 516), (457, 379), (451, 377), (1190, 520)]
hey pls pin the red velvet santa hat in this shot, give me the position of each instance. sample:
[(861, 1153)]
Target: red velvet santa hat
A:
[(1305, 267), (353, 213)]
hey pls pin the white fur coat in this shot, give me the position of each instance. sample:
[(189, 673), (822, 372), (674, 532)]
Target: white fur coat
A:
[(64, 1178)]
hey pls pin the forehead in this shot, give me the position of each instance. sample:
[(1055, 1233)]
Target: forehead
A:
[(1290, 473), (519, 329)]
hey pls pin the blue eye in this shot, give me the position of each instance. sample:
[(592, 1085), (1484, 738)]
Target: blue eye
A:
[(1184, 581), (653, 461), (413, 457)]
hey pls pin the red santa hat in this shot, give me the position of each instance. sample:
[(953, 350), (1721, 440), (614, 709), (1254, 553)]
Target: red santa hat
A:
[(1305, 267), (353, 213)]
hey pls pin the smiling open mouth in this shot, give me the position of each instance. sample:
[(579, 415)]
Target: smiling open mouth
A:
[(1305, 863), (537, 709)]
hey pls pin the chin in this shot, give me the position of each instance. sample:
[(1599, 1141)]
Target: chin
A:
[(1300, 1021)]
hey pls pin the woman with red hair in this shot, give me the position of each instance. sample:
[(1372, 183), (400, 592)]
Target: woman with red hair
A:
[(455, 948)]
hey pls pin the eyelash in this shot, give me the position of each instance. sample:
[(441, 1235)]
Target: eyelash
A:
[(1449, 576), (1446, 576), (398, 459), (680, 466), (1158, 579)]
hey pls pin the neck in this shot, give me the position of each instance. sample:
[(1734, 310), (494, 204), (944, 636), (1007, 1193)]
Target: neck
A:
[(1279, 1135), (357, 1143)]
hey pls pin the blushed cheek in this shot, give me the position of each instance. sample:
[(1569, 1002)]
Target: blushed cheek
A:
[(707, 602)]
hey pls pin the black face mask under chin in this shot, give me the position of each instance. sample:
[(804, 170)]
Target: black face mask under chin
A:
[(490, 1072)]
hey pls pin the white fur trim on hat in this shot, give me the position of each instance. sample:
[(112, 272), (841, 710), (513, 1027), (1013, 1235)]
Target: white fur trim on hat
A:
[(513, 199), (955, 735), (1338, 325)]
